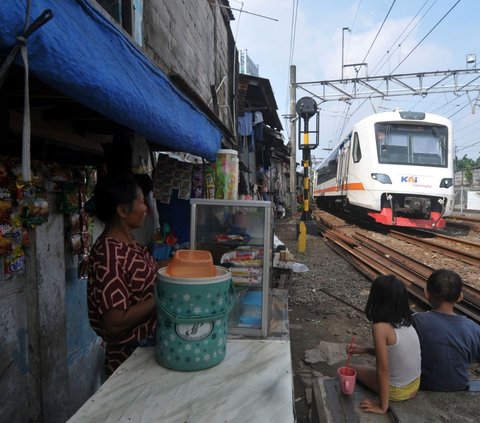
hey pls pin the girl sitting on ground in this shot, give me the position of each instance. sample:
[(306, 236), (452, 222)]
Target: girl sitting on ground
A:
[(396, 376)]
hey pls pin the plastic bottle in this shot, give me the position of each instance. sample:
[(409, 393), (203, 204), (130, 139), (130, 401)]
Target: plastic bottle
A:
[(226, 186)]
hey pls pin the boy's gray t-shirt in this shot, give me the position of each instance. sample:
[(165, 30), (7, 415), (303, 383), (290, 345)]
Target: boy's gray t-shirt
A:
[(449, 344)]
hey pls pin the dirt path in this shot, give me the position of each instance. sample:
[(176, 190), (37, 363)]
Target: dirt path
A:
[(325, 304)]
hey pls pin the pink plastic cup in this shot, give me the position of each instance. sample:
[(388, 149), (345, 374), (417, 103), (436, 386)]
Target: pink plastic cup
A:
[(347, 377)]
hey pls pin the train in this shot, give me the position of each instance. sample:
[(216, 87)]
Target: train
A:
[(394, 167)]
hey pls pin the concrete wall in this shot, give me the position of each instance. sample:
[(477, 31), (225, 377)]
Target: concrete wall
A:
[(461, 180), (467, 195), (193, 39), (51, 361), (14, 364)]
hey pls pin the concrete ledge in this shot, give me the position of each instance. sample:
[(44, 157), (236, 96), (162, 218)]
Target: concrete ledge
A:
[(329, 405)]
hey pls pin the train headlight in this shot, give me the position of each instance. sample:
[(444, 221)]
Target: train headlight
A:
[(446, 183), (381, 177)]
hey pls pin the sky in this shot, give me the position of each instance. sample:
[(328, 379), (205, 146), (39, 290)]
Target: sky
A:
[(390, 36)]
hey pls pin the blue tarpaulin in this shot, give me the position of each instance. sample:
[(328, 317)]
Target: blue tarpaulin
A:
[(84, 56)]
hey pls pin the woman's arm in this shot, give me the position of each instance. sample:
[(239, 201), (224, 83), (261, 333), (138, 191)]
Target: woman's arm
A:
[(117, 321), (380, 334), (360, 349)]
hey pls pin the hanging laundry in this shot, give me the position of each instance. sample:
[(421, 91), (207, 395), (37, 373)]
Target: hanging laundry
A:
[(257, 118), (258, 131), (245, 124)]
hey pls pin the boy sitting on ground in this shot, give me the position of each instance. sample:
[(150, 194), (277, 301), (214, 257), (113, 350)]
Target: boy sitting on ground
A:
[(449, 342)]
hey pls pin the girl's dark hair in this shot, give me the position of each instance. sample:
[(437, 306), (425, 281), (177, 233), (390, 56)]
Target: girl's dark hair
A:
[(388, 302), (112, 190)]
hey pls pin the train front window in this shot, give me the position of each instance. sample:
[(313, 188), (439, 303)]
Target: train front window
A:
[(421, 145)]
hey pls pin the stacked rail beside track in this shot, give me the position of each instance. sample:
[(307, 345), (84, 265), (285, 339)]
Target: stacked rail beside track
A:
[(372, 258)]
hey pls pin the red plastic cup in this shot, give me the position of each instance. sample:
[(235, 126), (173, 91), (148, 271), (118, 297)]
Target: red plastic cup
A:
[(347, 377)]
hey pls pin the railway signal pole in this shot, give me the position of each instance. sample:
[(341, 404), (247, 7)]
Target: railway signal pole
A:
[(306, 108)]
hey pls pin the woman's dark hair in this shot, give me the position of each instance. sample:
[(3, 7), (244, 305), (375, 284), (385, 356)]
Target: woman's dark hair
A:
[(112, 190), (388, 302)]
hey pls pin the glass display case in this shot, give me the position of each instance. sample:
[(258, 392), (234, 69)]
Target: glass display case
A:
[(239, 234)]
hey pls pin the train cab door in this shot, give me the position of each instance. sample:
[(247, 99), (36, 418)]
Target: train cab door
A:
[(342, 170)]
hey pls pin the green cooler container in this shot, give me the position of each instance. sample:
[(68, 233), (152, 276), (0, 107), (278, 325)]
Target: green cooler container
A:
[(192, 316)]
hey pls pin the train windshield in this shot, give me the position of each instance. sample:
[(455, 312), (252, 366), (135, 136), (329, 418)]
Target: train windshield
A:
[(421, 145)]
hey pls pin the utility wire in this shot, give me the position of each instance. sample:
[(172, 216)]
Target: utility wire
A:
[(423, 39), (459, 110), (345, 108), (378, 32), (339, 133), (293, 27), (468, 146), (390, 53), (293, 30), (244, 11), (428, 33), (352, 26)]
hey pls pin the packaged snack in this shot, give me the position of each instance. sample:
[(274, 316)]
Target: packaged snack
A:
[(32, 204), (74, 223), (70, 198), (209, 172), (15, 261), (5, 204), (6, 230), (4, 178), (197, 181), (76, 243), (82, 266)]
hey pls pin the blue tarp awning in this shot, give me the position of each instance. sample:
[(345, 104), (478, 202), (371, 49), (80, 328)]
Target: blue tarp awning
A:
[(84, 56)]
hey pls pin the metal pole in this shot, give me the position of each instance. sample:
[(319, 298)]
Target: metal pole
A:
[(306, 185), (293, 145), (343, 44), (343, 34)]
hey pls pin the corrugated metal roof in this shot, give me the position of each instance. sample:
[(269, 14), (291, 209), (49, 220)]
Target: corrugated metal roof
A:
[(256, 94)]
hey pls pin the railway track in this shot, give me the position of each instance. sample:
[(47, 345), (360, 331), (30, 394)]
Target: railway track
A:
[(464, 218), (373, 258), (469, 223)]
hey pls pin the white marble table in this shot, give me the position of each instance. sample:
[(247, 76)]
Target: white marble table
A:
[(254, 383)]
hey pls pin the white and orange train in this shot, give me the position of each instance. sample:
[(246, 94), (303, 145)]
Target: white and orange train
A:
[(397, 167)]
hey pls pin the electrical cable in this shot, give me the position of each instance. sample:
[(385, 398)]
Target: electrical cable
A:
[(389, 52), (378, 32), (443, 17), (352, 26), (428, 33), (363, 61), (293, 29)]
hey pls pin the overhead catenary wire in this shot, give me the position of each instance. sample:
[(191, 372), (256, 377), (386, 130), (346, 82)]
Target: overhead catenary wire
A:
[(405, 58), (342, 127), (293, 30), (426, 35), (396, 45), (352, 26), (243, 11), (379, 30)]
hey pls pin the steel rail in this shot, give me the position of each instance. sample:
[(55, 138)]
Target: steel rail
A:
[(451, 238), (454, 253), (465, 218), (372, 258)]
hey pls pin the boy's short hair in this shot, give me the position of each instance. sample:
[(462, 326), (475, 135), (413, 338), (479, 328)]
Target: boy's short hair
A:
[(444, 285)]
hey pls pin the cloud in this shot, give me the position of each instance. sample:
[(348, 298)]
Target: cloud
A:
[(318, 49)]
